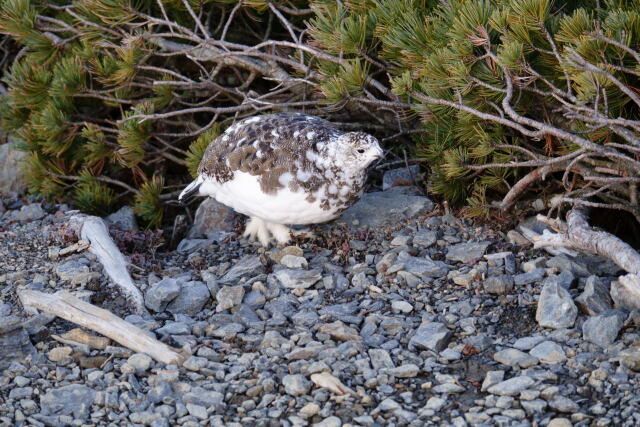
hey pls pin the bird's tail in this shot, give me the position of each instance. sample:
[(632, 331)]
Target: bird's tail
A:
[(190, 191)]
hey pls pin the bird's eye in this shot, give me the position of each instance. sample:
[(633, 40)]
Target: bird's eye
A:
[(361, 150)]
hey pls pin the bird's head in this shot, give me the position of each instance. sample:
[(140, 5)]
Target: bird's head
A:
[(358, 150)]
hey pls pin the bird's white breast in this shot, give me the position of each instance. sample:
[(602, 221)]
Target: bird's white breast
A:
[(244, 195)]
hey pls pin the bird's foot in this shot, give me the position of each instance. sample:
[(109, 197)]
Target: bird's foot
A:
[(265, 232)]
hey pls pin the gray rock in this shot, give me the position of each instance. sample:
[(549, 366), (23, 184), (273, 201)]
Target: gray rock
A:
[(566, 263), (548, 352), (124, 219), (229, 297), (420, 267), (514, 357), (294, 279), (604, 328), (401, 306), (400, 177), (191, 299), (530, 277), (431, 336), (555, 307), (527, 343), (195, 363), (174, 328), (595, 299), (625, 292), (28, 213), (211, 218), (492, 378), (377, 208), (12, 178), (563, 404), (331, 421), (380, 358), (296, 385), (630, 357), (247, 266), (425, 238), (74, 399), (187, 246), (74, 271), (161, 293), (565, 279), (292, 261), (140, 363), (408, 370), (206, 398), (511, 387), (467, 252), (499, 285)]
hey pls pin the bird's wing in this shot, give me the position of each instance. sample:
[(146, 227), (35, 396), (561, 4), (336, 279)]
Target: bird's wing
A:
[(278, 148)]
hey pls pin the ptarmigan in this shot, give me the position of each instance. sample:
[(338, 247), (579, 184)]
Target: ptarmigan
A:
[(283, 169)]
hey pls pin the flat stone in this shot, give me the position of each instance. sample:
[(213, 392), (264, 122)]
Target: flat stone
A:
[(549, 352), (560, 422), (247, 266), (340, 331), (511, 387), (191, 299), (380, 358), (331, 421), (425, 238), (161, 293), (431, 336), (527, 343), (420, 267), (499, 285), (229, 297), (400, 177), (467, 252), (74, 400), (555, 307), (296, 385), (401, 306), (514, 357), (187, 246), (595, 299), (211, 218), (604, 328), (376, 208), (206, 398), (532, 276), (566, 263), (292, 261), (563, 404), (408, 370), (195, 363), (294, 279), (448, 388)]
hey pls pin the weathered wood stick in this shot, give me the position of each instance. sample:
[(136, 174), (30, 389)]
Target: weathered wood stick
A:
[(94, 230), (68, 307)]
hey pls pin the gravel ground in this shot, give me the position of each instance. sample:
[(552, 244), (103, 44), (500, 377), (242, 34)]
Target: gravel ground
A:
[(428, 320)]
